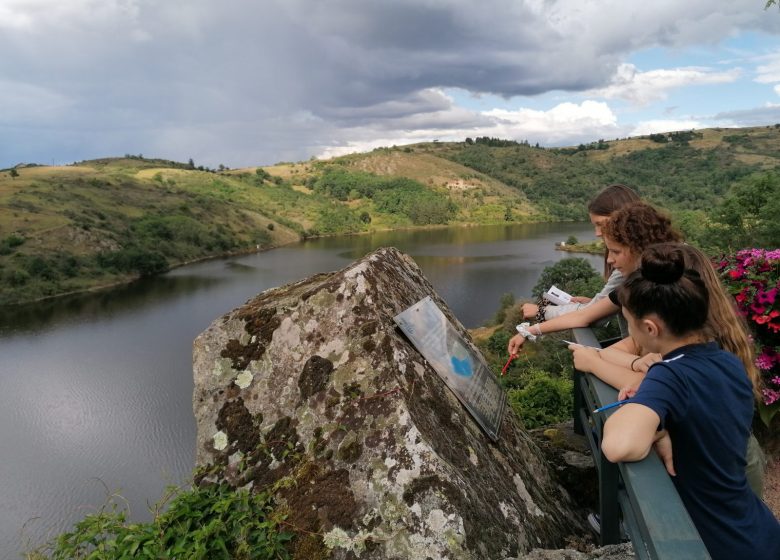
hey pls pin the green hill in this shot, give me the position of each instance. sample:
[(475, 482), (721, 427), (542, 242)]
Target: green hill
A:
[(99, 222)]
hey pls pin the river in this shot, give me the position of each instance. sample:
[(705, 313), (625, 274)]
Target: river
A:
[(96, 389)]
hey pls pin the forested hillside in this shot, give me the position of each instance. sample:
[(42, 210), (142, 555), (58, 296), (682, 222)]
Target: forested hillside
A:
[(98, 222)]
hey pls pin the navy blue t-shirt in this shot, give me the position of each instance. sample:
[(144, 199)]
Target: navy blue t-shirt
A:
[(705, 401)]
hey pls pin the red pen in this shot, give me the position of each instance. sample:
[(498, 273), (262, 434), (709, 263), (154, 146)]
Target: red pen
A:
[(506, 365)]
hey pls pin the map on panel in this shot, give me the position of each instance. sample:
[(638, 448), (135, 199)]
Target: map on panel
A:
[(463, 370)]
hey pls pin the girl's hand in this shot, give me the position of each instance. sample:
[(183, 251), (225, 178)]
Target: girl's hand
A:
[(628, 392), (529, 310), (585, 357), (515, 344), (663, 447), (580, 299), (644, 363)]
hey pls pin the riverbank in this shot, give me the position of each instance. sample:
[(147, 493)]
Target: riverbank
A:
[(593, 248), (123, 280)]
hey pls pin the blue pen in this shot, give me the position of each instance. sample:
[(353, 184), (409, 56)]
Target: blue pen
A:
[(611, 405)]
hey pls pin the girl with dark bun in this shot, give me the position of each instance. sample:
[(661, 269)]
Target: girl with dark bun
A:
[(695, 406), (624, 364)]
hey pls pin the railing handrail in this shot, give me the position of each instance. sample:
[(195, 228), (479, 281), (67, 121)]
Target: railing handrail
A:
[(654, 516)]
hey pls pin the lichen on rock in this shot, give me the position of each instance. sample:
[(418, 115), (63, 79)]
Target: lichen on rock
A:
[(367, 451)]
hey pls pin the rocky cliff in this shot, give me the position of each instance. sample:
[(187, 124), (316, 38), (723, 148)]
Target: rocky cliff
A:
[(311, 392)]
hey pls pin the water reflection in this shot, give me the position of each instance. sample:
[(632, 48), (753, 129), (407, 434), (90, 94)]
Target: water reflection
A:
[(101, 303), (100, 384)]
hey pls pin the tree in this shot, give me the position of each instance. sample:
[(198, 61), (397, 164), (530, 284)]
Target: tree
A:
[(747, 217), (575, 276), (14, 173)]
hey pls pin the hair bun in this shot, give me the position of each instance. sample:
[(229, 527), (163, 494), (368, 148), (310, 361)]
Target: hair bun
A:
[(663, 264)]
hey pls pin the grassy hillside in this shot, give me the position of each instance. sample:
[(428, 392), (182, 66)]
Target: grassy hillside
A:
[(99, 222)]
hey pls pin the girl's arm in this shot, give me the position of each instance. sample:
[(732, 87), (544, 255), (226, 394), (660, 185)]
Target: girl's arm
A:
[(590, 360), (622, 353), (580, 318), (625, 354), (630, 433)]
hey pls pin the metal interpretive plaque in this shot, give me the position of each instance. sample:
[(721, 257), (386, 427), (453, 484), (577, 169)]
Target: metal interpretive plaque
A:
[(463, 370)]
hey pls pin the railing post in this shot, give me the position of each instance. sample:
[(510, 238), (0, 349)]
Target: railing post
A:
[(578, 403), (609, 510)]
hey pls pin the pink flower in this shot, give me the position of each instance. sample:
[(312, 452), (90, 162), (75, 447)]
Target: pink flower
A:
[(775, 380), (737, 273), (760, 319), (763, 297), (758, 309), (764, 362), (770, 396)]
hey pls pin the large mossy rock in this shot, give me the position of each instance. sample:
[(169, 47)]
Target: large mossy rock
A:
[(310, 391)]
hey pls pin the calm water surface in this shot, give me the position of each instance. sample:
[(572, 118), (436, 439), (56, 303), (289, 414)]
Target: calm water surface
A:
[(96, 390)]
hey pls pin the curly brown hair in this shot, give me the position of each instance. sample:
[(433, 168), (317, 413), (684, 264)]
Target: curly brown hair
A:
[(639, 225)]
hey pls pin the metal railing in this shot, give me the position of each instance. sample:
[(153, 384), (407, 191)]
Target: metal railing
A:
[(641, 494)]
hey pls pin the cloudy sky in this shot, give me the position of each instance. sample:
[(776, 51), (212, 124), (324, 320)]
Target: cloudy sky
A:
[(243, 82)]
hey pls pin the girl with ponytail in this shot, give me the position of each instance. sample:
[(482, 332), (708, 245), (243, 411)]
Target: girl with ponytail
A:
[(695, 406)]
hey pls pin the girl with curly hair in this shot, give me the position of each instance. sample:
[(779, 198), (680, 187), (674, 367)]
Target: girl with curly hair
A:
[(626, 234), (610, 199)]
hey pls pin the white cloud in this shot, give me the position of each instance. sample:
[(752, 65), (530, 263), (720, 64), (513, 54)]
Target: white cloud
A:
[(561, 123), (656, 126), (769, 72), (777, 89), (565, 124), (642, 88)]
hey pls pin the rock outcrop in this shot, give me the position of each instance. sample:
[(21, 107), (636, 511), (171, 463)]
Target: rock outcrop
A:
[(310, 391)]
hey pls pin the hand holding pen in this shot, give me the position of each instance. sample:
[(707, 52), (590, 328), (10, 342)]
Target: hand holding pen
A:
[(611, 405)]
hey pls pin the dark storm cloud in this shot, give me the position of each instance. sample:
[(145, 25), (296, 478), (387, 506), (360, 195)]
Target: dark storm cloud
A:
[(243, 83)]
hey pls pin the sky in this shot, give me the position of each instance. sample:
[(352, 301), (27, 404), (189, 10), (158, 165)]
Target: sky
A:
[(244, 83)]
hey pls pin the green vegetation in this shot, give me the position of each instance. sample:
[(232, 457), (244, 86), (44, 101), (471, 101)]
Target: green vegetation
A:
[(543, 400), (539, 380), (397, 196), (99, 222), (212, 522), (574, 276), (745, 217)]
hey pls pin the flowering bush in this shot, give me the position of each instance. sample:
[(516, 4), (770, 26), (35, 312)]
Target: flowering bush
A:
[(752, 276)]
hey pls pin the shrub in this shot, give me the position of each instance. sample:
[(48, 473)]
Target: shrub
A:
[(133, 260), (214, 522), (543, 401), (507, 302), (752, 276), (338, 219), (573, 275), (10, 243)]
